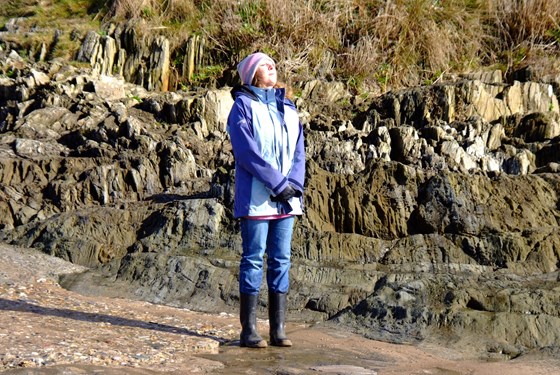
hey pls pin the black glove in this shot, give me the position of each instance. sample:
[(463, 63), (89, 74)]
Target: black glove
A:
[(288, 193)]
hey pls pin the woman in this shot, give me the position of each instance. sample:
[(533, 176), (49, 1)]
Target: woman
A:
[(268, 147)]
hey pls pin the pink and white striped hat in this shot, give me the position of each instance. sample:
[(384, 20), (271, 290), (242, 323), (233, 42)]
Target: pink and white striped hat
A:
[(248, 66)]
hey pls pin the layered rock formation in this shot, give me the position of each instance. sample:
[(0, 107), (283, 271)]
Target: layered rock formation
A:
[(431, 213)]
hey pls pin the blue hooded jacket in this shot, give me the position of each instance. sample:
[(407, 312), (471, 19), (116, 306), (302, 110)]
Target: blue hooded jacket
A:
[(268, 146)]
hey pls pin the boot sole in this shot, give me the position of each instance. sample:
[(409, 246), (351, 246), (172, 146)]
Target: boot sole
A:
[(282, 343), (255, 345)]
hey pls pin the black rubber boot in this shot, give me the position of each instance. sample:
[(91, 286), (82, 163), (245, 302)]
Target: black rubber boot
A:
[(276, 313), (248, 316)]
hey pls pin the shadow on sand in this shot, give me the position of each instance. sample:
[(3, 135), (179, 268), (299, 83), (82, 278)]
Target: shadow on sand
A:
[(23, 306)]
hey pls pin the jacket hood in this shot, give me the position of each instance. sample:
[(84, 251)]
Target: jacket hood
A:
[(239, 90)]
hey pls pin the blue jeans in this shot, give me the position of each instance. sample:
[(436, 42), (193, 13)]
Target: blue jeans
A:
[(273, 237)]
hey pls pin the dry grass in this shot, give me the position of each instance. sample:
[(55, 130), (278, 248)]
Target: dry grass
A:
[(155, 10), (390, 43), (414, 40), (385, 43), (379, 42), (529, 22), (54, 24), (18, 8), (526, 32)]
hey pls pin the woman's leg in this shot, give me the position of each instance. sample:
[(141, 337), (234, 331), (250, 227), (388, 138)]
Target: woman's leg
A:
[(253, 236), (277, 273), (279, 248)]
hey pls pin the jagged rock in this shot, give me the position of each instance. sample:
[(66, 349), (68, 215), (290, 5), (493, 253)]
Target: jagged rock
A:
[(322, 91), (29, 148), (109, 88), (336, 156), (39, 78), (473, 313), (120, 52), (535, 127), (458, 156), (406, 146), (423, 106), (213, 109), (495, 136), (494, 76), (193, 56)]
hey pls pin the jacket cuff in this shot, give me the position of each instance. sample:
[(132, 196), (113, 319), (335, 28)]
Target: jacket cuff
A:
[(280, 187), (296, 185)]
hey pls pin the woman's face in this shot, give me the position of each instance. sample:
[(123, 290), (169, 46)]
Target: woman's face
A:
[(265, 75)]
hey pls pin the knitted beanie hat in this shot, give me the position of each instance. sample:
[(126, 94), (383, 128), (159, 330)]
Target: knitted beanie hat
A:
[(248, 66)]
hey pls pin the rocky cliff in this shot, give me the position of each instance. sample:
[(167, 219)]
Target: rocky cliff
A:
[(432, 213)]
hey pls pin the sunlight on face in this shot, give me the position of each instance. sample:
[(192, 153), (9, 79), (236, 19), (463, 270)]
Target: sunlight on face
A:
[(265, 75)]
